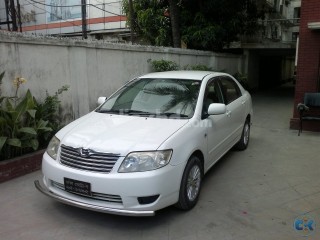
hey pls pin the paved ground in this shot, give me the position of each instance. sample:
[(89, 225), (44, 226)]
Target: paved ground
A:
[(255, 194)]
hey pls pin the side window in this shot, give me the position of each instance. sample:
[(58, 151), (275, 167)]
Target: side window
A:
[(212, 95), (230, 89)]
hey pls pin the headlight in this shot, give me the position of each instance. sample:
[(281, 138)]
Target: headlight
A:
[(145, 161), (53, 147)]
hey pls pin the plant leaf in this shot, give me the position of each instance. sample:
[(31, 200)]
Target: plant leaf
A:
[(2, 121), (32, 113), (27, 103), (20, 109), (41, 124), (9, 105), (34, 144), (30, 100), (14, 142), (46, 129), (2, 142), (28, 130)]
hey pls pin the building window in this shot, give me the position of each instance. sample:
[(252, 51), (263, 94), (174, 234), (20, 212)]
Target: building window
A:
[(296, 15), (274, 32)]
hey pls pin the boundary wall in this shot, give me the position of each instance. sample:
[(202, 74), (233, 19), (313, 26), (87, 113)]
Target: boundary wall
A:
[(91, 68)]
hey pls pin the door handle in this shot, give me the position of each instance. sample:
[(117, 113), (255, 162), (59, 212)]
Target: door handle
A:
[(228, 113), (243, 102)]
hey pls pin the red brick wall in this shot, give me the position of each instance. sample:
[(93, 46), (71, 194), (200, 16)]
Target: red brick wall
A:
[(19, 166), (308, 57)]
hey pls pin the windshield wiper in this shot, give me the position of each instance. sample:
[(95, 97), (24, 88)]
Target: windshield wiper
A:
[(125, 112), (174, 115), (108, 111), (142, 113), (138, 112)]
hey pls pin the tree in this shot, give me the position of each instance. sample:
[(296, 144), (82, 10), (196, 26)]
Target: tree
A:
[(204, 25), (175, 23), (149, 21), (214, 24)]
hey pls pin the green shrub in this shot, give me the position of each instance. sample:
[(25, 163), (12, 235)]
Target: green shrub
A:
[(198, 67), (26, 125), (48, 110), (167, 65), (163, 65)]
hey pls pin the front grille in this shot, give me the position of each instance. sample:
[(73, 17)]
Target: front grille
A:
[(88, 160), (96, 196)]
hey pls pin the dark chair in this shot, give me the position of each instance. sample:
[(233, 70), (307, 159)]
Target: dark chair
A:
[(309, 110)]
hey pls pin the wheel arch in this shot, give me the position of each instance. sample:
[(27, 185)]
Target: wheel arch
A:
[(198, 153), (183, 202), (248, 118)]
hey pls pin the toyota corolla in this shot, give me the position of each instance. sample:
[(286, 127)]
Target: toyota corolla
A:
[(149, 144)]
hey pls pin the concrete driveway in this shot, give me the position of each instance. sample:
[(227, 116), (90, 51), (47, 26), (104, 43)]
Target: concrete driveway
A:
[(255, 194)]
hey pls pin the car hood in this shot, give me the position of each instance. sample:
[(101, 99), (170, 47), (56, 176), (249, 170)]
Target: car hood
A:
[(118, 134)]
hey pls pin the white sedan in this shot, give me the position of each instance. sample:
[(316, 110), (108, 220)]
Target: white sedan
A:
[(149, 144)]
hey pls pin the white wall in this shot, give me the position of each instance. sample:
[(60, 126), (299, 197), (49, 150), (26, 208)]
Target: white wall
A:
[(91, 68)]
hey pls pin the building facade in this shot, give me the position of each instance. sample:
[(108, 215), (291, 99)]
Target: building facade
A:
[(282, 20), (104, 18), (270, 53), (308, 68)]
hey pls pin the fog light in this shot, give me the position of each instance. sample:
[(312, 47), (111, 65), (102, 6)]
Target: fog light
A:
[(148, 199)]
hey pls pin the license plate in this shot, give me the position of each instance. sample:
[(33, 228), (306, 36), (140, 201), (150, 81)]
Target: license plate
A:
[(78, 187)]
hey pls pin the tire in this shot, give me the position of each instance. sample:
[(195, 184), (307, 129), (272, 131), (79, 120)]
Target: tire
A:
[(190, 184), (245, 137)]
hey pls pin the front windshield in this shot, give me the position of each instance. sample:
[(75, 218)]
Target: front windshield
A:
[(174, 98)]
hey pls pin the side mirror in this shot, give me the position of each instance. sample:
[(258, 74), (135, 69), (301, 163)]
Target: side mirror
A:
[(101, 100), (217, 109)]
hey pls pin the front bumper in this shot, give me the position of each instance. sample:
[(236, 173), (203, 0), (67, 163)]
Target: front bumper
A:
[(88, 206), (115, 193)]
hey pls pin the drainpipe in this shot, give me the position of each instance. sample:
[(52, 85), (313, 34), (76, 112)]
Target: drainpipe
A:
[(318, 83)]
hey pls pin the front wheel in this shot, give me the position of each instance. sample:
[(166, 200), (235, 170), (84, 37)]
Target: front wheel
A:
[(245, 136), (190, 184)]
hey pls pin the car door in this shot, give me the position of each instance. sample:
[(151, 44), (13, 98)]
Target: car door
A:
[(235, 104), (216, 126)]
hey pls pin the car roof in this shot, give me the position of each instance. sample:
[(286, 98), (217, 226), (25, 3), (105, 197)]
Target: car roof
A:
[(191, 75)]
